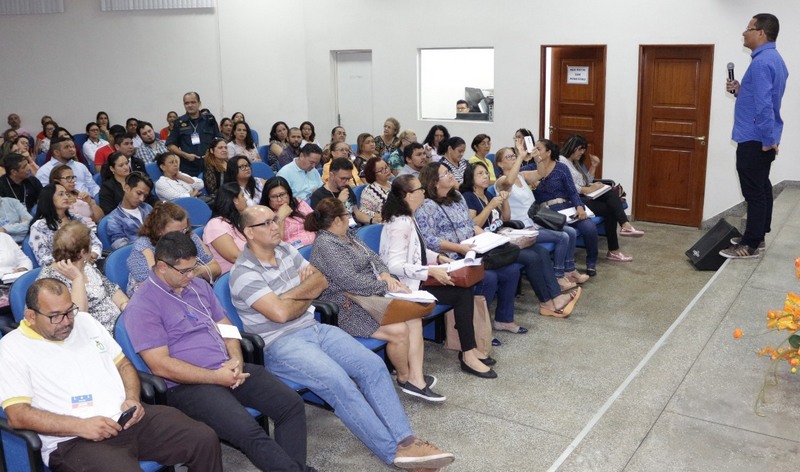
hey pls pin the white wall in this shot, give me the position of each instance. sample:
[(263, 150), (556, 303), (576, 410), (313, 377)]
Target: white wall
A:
[(271, 60)]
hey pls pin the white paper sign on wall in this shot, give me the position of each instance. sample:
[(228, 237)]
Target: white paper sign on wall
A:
[(578, 75)]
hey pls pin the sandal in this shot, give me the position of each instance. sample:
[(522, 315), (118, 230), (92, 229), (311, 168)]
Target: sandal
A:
[(566, 284), (499, 327), (631, 232), (618, 257)]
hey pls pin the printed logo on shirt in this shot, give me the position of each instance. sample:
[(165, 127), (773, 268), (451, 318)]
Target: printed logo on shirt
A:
[(82, 401), (99, 345)]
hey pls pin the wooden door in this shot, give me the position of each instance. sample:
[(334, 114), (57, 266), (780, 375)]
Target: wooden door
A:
[(577, 95), (672, 132)]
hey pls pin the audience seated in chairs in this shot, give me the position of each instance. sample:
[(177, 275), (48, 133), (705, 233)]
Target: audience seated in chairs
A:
[(342, 150), (489, 214), (365, 150), (242, 143), (81, 203), (272, 287), (115, 173), (89, 362), (518, 184), (278, 141), (93, 142), (90, 290), (308, 133), (395, 159), (53, 212), (452, 151), (221, 233), (436, 135), (14, 219), (378, 175), (556, 190), (404, 252), (350, 267), (216, 162), (481, 145), (21, 145), (444, 222), (174, 183), (151, 145), (607, 205), (291, 212), (18, 182), (240, 170), (388, 141), (12, 259), (165, 218), (415, 158), (117, 132), (64, 153), (125, 220), (211, 385), (292, 150)]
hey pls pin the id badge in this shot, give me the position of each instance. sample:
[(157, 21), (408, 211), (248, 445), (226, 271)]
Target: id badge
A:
[(195, 139)]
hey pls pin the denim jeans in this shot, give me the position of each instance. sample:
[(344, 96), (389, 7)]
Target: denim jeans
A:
[(564, 253), (502, 282), (539, 272), (753, 166), (588, 229), (350, 377)]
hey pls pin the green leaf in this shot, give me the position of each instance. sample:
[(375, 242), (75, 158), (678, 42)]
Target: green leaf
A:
[(794, 341)]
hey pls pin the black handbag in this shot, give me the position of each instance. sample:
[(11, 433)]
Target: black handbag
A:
[(546, 218), (500, 256)]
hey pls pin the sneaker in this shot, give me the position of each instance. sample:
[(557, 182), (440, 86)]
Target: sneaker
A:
[(430, 381), (761, 246), (738, 251), (422, 454), (423, 393)]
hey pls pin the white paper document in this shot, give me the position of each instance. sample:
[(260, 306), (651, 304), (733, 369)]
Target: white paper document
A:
[(572, 214), (605, 188), (12, 276), (485, 241), (420, 296)]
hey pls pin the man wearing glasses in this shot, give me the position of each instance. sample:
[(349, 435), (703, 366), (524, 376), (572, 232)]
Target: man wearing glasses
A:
[(66, 378), (178, 326), (272, 287), (64, 152), (757, 128)]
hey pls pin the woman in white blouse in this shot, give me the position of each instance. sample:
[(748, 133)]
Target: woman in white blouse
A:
[(242, 143), (12, 259), (404, 252), (174, 183)]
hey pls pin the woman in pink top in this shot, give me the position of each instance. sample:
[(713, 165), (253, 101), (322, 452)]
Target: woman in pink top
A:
[(221, 233), (291, 212)]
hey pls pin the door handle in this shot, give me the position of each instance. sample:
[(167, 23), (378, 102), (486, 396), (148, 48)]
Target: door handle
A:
[(702, 140)]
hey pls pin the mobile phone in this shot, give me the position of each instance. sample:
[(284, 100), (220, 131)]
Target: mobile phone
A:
[(126, 416), (528, 144)]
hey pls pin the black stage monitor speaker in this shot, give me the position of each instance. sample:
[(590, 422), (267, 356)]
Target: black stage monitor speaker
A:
[(704, 255)]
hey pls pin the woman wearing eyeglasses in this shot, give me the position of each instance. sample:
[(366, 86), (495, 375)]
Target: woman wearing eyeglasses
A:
[(352, 267), (90, 290), (52, 212), (404, 251), (377, 173), (444, 222), (80, 203), (221, 233), (240, 170), (174, 183), (165, 218), (291, 212)]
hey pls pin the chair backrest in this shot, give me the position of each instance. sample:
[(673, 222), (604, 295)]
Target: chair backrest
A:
[(372, 236), (102, 233), (263, 152), (28, 250), (491, 192), (254, 134), (222, 290), (305, 251), (262, 171), (98, 179), (357, 191), (16, 296), (40, 158), (121, 336), (116, 267), (79, 139), (199, 231), (198, 210), (153, 171)]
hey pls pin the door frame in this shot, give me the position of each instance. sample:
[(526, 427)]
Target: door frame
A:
[(335, 79), (636, 159), (545, 71)]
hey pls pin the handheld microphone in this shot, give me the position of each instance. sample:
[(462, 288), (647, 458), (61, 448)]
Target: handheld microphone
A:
[(730, 73)]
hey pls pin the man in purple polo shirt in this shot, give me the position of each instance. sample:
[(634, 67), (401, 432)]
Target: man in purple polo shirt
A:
[(178, 326)]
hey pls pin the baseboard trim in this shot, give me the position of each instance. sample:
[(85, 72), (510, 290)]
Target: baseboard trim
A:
[(739, 210)]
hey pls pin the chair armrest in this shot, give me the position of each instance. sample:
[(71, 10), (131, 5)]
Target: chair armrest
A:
[(252, 348), (33, 444), (606, 181), (328, 312), (153, 388), (514, 224)]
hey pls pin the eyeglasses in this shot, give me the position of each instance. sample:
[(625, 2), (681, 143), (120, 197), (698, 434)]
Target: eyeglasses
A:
[(510, 157), (244, 166), (271, 220), (181, 271), (446, 174), (278, 196), (69, 178), (382, 170), (59, 317), (751, 29), (416, 190)]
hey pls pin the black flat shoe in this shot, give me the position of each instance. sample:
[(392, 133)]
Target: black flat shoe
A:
[(488, 361), (491, 374)]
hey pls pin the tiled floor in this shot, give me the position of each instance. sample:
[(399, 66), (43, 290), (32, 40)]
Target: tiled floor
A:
[(607, 389)]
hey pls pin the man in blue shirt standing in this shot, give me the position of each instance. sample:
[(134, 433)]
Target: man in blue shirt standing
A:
[(757, 128)]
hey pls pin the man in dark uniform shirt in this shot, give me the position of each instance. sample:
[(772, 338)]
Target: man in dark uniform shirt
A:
[(18, 182), (191, 135)]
